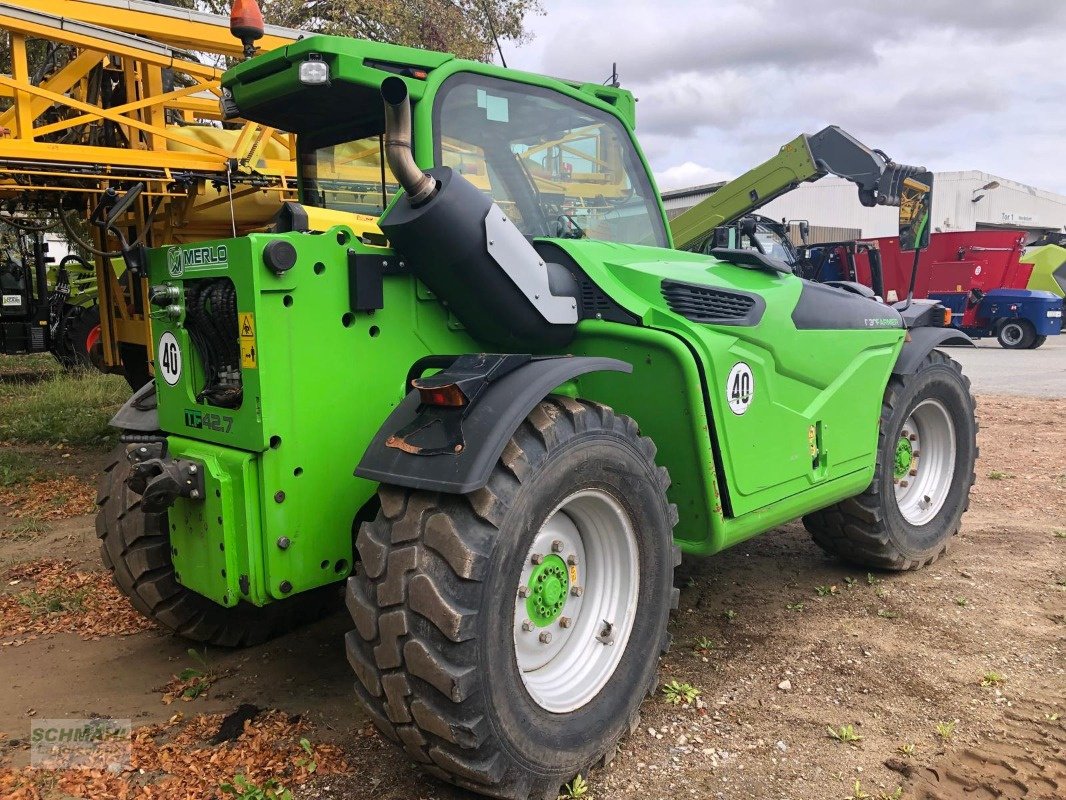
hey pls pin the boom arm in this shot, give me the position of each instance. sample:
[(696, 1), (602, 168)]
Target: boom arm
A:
[(831, 151)]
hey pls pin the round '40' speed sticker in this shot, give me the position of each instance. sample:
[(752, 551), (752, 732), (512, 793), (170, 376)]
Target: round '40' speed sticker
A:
[(739, 388), (168, 361)]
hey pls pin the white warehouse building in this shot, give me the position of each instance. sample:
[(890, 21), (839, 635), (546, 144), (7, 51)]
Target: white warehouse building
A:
[(962, 201)]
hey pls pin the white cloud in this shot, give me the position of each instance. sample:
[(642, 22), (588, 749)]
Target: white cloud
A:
[(690, 173), (949, 84)]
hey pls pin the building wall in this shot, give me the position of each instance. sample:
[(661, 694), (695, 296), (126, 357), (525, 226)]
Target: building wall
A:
[(959, 204)]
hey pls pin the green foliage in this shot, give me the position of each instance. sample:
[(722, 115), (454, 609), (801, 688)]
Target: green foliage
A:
[(577, 788), (945, 730), (962, 602), (857, 793), (996, 475), (55, 601), (308, 763), (678, 693), (702, 644), (845, 733), (794, 606), (992, 678), (453, 26), (729, 614), (244, 789), (906, 749), (59, 407), (826, 591), (884, 613)]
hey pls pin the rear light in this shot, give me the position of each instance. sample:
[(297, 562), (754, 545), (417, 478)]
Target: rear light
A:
[(947, 317), (420, 74), (447, 395)]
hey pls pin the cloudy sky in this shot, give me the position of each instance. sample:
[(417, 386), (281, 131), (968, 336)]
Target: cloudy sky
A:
[(950, 84)]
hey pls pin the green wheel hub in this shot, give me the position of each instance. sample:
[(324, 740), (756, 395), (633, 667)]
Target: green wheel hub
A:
[(904, 457), (549, 585)]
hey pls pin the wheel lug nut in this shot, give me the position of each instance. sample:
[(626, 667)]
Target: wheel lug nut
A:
[(564, 622), (536, 558), (557, 546), (571, 560), (545, 638), (915, 454), (523, 591), (904, 484), (913, 472), (576, 591), (913, 437), (527, 626)]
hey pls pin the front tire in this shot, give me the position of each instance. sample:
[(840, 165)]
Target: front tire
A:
[(1038, 341), (135, 548), (927, 447), (1016, 334), (472, 648)]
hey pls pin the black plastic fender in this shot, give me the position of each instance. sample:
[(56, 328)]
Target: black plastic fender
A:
[(487, 427), (139, 413), (922, 341)]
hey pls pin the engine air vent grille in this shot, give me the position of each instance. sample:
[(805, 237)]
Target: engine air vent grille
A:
[(710, 305)]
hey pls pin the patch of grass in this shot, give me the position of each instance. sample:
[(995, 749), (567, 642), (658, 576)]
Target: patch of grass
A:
[(871, 580), (945, 730), (1060, 534), (243, 789), (962, 602), (702, 644), (59, 600), (65, 407), (24, 528), (906, 749), (845, 733), (577, 788), (884, 613), (16, 467), (826, 591), (794, 606), (996, 475), (857, 793), (678, 693), (729, 614), (992, 678), (895, 794)]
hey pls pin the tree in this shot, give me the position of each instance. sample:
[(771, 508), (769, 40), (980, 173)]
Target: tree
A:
[(462, 27)]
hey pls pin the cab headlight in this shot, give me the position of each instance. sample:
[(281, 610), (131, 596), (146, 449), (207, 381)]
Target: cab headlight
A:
[(314, 72)]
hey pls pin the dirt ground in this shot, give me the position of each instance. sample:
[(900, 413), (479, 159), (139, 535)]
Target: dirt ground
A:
[(954, 677)]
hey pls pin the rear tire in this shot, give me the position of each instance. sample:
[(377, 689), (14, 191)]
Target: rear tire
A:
[(1037, 342), (926, 452), (446, 665), (135, 548), (1016, 334)]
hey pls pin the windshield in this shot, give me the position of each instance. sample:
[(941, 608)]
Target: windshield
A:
[(347, 176), (556, 166)]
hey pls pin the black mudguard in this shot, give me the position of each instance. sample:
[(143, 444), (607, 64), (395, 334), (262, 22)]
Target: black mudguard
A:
[(922, 341), (487, 427), (139, 412)]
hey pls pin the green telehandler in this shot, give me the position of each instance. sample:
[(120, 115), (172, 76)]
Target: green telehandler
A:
[(499, 415)]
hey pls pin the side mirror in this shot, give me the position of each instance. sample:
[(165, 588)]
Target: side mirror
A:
[(915, 211), (747, 226), (805, 232)]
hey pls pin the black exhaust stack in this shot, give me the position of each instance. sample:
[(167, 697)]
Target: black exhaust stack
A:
[(496, 286)]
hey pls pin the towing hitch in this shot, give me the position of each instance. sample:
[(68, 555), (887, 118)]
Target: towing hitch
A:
[(160, 480)]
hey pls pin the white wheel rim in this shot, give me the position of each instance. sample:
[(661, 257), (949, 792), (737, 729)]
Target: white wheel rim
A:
[(1012, 333), (923, 490), (591, 529)]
